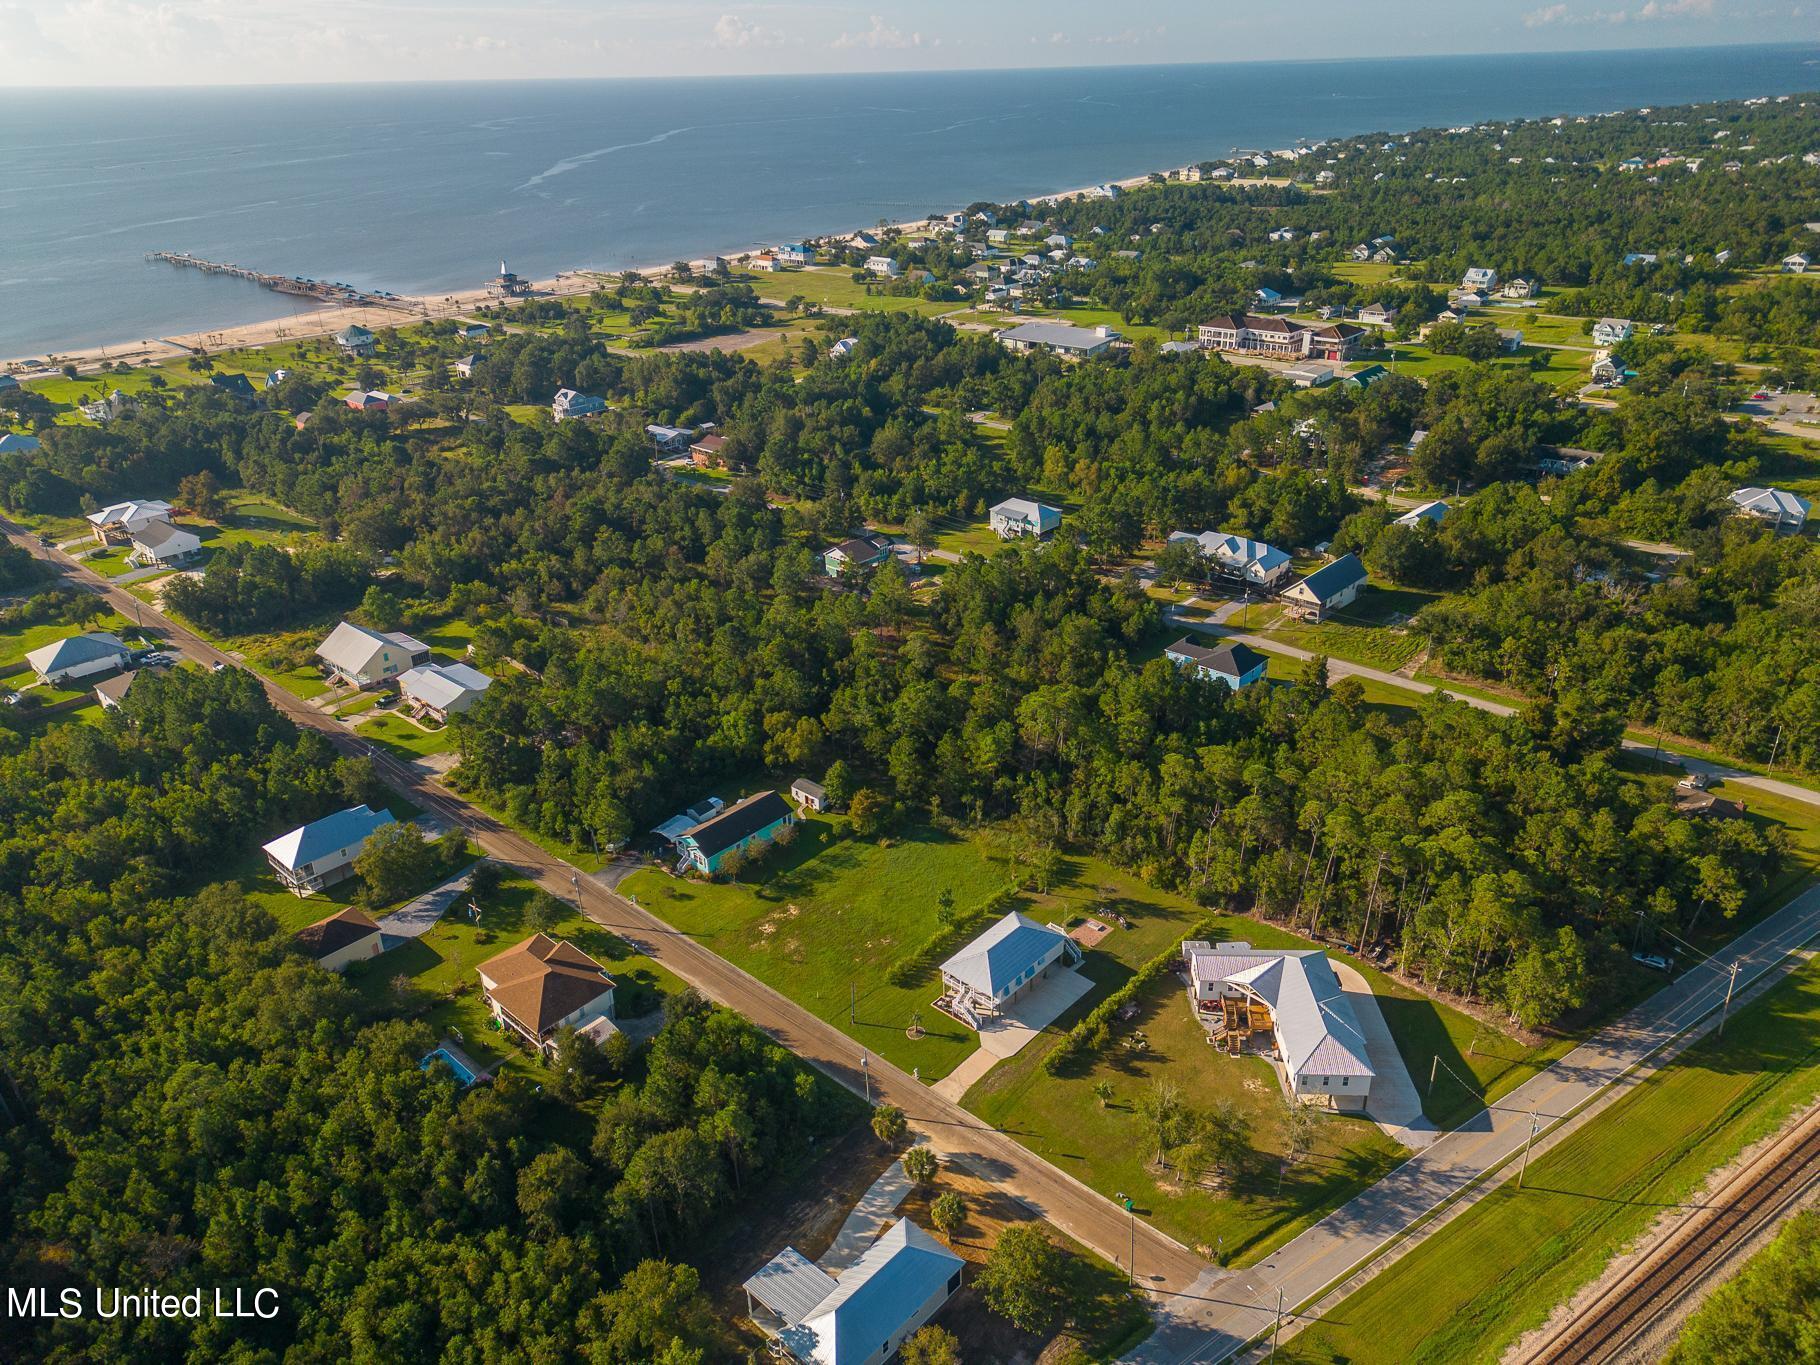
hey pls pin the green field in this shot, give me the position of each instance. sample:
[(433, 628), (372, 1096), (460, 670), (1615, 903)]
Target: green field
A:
[(834, 287), (1500, 1268), (15, 645), (404, 738)]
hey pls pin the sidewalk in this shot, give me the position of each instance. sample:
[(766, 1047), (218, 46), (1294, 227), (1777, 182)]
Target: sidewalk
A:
[(868, 1219)]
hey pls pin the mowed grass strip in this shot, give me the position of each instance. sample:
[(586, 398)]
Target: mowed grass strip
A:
[(1499, 1269), (824, 920)]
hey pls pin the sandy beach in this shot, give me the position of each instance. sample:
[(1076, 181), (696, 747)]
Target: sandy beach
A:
[(401, 312)]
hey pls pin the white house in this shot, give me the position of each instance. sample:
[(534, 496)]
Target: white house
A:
[(843, 348), (866, 1315), (442, 690), (568, 403), (796, 253), (1058, 338), (1378, 315), (355, 340), (1435, 512), (79, 656), (345, 937), (1786, 511), (1328, 589), (1016, 517), (161, 544), (883, 265), (364, 657), (543, 985), (1522, 287), (1294, 998), (1261, 565), (1608, 332), (119, 522), (1797, 264), (1001, 964), (1480, 278), (464, 368), (809, 795), (322, 852)]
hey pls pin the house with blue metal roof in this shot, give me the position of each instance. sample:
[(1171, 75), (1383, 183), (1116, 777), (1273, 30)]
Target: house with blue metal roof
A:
[(868, 1312), (983, 978), (322, 852)]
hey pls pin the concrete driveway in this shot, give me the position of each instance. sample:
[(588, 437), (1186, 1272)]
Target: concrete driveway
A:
[(1395, 1106), (1011, 1032)]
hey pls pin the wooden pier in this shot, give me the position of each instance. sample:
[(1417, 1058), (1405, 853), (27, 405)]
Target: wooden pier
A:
[(320, 291)]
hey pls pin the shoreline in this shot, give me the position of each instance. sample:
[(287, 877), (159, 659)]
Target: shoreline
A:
[(408, 311)]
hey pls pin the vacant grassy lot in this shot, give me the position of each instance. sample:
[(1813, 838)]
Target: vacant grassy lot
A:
[(1501, 1267), (835, 287)]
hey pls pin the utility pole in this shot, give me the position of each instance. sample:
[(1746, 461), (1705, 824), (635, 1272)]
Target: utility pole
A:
[(1131, 1212), (852, 1000), (1773, 748), (1730, 985), (1434, 1065), (1529, 1142), (1276, 1331), (865, 1068)]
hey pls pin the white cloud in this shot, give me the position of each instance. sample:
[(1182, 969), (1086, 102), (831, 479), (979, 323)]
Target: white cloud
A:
[(1677, 9), (881, 37), (732, 31), (1130, 37), (1652, 9), (1551, 14)]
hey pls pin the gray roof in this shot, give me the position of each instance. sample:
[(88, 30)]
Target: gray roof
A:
[(1773, 502), (790, 1285), (343, 829), (1314, 1020), (155, 535), (998, 957), (76, 649), (815, 789), (1063, 336), (442, 685), (875, 1297), (1235, 658)]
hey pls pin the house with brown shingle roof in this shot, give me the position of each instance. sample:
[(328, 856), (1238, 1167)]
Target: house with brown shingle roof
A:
[(544, 985), (344, 937)]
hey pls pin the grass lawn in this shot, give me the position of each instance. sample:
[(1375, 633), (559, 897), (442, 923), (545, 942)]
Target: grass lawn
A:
[(111, 562), (1364, 272), (59, 529), (829, 916), (1372, 646), (404, 738), (15, 645), (1501, 1267), (834, 287), (1060, 1119)]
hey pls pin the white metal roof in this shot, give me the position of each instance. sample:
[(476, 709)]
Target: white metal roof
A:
[(875, 1297), (343, 829), (1315, 1023), (76, 649), (790, 1285), (442, 685)]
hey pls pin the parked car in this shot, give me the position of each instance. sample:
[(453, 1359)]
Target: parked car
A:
[(217, 666), (1654, 961), (10, 699), (1694, 782)]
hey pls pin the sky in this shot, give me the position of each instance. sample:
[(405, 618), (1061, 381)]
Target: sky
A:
[(239, 42)]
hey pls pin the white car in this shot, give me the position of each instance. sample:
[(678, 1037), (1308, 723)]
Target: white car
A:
[(1693, 782), (1655, 962)]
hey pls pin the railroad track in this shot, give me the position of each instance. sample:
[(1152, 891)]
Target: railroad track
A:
[(1750, 1201)]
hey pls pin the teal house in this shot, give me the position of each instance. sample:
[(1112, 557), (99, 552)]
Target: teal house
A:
[(1236, 665), (707, 847)]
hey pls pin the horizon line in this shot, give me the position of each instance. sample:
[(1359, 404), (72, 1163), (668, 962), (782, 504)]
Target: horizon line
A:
[(428, 81)]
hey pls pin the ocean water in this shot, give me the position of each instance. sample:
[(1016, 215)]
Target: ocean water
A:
[(418, 188)]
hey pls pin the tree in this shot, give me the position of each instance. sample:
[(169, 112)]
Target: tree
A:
[(657, 1313), (921, 1164), (869, 810), (1298, 1134), (1102, 1091), (889, 1123), (948, 1213), (550, 1191), (1769, 1311), (838, 783), (395, 862), (931, 1346), (920, 532), (1165, 1117), (1026, 1279), (1544, 983), (201, 494), (944, 908), (382, 608)]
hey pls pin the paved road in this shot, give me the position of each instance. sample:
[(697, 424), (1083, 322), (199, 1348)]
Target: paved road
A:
[(1056, 1196), (1206, 1313), (1234, 1309), (1340, 668)]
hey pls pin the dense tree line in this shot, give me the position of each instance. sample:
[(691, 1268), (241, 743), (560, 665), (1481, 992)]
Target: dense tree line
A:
[(190, 1101)]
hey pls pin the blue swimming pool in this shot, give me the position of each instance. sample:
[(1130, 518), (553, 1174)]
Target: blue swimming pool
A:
[(460, 1065)]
